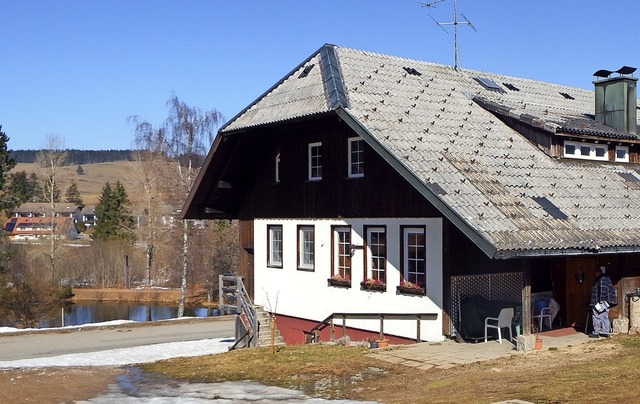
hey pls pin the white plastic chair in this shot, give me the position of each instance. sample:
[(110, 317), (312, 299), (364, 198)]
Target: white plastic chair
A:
[(544, 313), (503, 320)]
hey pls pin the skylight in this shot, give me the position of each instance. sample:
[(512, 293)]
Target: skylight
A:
[(412, 71), (511, 86), (567, 96), (629, 177), (549, 207), (306, 71), (488, 84)]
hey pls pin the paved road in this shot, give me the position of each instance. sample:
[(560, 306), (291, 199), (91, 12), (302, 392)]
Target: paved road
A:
[(17, 346)]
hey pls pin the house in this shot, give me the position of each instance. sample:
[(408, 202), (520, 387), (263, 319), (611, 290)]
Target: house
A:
[(36, 228), (86, 215), (43, 209), (359, 174)]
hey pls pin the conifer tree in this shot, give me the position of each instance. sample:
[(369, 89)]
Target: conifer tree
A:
[(114, 220), (6, 164), (73, 194)]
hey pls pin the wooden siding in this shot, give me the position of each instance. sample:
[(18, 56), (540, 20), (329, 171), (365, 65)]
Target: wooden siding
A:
[(382, 192), (245, 259)]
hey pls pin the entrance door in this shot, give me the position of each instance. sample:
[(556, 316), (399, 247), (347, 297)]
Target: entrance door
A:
[(580, 275)]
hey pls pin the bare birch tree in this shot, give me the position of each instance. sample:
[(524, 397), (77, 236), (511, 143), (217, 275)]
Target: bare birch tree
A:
[(50, 161), (184, 139)]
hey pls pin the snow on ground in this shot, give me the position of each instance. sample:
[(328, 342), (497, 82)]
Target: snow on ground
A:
[(127, 356), (132, 388)]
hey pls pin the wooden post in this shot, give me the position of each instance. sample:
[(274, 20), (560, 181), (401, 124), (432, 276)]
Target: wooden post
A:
[(344, 325), (332, 331), (418, 339), (381, 327), (526, 297)]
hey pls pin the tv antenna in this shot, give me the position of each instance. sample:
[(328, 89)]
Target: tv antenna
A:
[(455, 23)]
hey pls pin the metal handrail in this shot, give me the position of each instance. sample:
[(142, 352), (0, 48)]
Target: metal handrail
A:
[(314, 333)]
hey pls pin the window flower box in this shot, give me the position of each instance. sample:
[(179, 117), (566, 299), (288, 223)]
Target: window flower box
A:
[(410, 288), (339, 281), (373, 284)]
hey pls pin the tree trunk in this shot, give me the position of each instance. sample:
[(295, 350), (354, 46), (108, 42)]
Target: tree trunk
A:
[(185, 255)]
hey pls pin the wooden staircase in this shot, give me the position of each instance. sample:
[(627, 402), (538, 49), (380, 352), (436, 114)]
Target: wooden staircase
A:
[(253, 324)]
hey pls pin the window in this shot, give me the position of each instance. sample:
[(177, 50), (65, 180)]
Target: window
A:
[(356, 157), (315, 164), (376, 264), (582, 150), (622, 154), (274, 240), (277, 168), (414, 261), (341, 253), (306, 255)]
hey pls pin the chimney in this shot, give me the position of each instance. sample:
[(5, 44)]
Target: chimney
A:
[(616, 99)]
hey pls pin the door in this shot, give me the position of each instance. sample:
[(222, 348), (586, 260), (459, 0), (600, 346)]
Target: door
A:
[(580, 275)]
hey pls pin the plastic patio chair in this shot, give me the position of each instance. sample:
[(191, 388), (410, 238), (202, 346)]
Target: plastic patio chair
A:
[(503, 320), (544, 313)]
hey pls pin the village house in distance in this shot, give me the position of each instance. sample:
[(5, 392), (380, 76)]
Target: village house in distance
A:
[(369, 187)]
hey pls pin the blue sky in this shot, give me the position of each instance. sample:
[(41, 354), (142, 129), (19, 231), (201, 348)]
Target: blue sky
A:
[(77, 69)]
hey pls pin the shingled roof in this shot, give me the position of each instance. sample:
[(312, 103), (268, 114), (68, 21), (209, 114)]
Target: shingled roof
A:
[(440, 128)]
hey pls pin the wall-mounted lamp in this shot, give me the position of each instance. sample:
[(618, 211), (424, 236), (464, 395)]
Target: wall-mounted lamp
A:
[(354, 247), (580, 276)]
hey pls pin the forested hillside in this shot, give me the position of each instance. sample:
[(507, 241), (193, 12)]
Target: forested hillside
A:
[(78, 156)]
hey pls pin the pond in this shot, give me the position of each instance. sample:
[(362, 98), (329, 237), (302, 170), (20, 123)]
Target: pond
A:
[(98, 312)]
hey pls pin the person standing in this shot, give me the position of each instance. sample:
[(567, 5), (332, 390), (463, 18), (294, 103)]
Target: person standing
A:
[(602, 296)]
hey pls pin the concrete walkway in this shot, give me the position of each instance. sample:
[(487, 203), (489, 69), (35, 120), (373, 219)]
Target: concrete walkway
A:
[(444, 355)]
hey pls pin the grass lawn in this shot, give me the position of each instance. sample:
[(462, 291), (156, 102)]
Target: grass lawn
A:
[(603, 371)]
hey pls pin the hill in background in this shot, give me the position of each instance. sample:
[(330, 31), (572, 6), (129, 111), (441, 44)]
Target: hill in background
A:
[(78, 156), (92, 180)]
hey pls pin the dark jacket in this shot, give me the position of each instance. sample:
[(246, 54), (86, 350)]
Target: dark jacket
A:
[(602, 290)]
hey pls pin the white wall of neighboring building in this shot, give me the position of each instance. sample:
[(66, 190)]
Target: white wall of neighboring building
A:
[(304, 294)]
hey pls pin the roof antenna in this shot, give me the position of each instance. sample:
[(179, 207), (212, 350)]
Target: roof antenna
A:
[(455, 23)]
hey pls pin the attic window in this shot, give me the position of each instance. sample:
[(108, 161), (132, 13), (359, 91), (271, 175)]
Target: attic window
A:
[(549, 207), (488, 84), (412, 71), (629, 177), (306, 71), (511, 86), (567, 96)]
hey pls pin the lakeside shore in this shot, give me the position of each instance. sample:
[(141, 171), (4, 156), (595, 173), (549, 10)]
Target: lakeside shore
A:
[(152, 295)]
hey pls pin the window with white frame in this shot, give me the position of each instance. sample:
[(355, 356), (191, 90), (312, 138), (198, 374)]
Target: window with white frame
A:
[(622, 154), (306, 246), (341, 258), (414, 255), (315, 161), (356, 157), (587, 151), (277, 168), (376, 265), (274, 241)]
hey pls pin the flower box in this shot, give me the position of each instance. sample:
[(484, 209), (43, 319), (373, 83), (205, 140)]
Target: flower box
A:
[(339, 282), (408, 288), (370, 284)]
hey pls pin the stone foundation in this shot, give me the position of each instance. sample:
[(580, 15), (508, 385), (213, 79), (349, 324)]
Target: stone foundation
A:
[(525, 343), (620, 326)]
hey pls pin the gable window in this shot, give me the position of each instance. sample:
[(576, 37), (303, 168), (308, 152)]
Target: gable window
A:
[(622, 154), (376, 260), (315, 163), (274, 241), (356, 157), (588, 151), (277, 168), (414, 255), (341, 252), (306, 247)]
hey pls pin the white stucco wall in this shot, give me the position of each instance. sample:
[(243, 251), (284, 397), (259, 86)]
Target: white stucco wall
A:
[(292, 292)]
